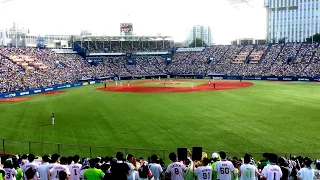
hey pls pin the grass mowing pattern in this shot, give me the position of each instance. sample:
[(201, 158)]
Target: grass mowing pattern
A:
[(269, 116)]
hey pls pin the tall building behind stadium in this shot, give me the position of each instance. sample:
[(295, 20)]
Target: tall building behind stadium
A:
[(292, 20), (201, 32)]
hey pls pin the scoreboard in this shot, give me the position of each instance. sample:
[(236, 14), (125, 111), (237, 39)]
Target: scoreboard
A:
[(126, 28)]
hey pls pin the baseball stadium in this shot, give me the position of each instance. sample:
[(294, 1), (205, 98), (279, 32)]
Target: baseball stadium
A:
[(139, 97)]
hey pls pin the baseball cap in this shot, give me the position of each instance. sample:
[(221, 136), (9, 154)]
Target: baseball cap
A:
[(214, 155)]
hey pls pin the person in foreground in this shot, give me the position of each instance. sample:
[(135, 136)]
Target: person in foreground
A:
[(247, 171), (306, 173), (224, 167), (93, 173), (175, 169), (272, 171)]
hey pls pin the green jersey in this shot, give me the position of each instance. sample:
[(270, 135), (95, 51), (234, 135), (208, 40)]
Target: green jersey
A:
[(214, 174), (234, 174), (19, 174), (93, 174), (188, 174), (263, 164)]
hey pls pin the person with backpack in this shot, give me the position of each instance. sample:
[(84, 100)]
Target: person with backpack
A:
[(144, 172)]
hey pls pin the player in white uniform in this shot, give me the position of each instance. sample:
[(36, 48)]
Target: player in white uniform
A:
[(247, 171), (306, 172), (204, 172), (116, 83), (31, 164), (175, 169), (75, 168), (10, 171), (54, 171), (224, 167), (272, 171), (52, 118), (192, 84)]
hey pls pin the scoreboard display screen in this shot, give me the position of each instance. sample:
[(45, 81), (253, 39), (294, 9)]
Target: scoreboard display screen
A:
[(126, 28)]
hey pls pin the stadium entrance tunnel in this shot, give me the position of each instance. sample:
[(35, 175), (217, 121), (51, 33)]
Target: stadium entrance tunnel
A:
[(206, 86)]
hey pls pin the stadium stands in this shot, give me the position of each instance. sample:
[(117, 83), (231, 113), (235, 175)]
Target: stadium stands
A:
[(25, 68)]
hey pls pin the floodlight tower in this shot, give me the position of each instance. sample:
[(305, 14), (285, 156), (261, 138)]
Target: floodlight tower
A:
[(3, 33)]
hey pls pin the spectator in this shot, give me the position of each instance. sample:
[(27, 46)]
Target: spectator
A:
[(272, 171), (224, 168), (93, 173), (54, 159), (31, 164), (30, 173), (175, 169), (205, 171), (54, 171), (9, 170), (306, 172), (131, 161), (155, 168), (43, 168), (119, 168), (247, 171), (75, 168)]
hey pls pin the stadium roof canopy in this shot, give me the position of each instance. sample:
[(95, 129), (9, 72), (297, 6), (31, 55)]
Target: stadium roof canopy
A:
[(122, 38)]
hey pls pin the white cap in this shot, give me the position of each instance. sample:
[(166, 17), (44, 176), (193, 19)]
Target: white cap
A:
[(214, 155)]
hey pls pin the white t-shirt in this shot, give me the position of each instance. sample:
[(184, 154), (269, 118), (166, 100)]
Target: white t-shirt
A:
[(224, 169), (156, 170), (306, 174), (204, 172), (176, 169), (132, 173), (54, 171), (272, 172), (50, 166), (74, 171), (32, 165), (10, 173), (248, 172)]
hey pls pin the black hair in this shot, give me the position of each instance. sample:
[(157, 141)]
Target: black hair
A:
[(129, 156), (31, 157), (154, 158), (273, 158), (62, 175), (206, 161), (63, 160), (247, 158), (55, 157), (92, 163), (45, 158), (318, 166), (69, 161), (30, 173), (173, 156), (24, 156), (8, 164), (266, 155), (222, 154), (119, 156), (307, 162), (76, 158)]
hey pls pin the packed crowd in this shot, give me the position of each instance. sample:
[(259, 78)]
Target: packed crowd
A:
[(216, 167), (125, 46), (290, 59)]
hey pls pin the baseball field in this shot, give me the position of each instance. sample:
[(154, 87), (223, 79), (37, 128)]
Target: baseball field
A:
[(256, 116)]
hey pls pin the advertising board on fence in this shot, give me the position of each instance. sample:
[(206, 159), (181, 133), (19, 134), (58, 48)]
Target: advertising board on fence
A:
[(272, 78), (40, 90)]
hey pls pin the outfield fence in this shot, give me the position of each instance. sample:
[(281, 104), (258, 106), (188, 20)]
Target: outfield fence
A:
[(11, 146)]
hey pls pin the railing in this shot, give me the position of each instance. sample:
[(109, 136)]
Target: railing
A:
[(11, 146)]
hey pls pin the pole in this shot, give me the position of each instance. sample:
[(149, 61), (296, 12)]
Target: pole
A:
[(90, 152), (29, 147), (4, 152), (58, 148)]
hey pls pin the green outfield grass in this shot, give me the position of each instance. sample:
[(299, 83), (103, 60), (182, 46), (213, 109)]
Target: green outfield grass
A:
[(269, 116)]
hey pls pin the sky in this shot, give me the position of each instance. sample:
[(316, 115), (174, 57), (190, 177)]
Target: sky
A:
[(149, 17)]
